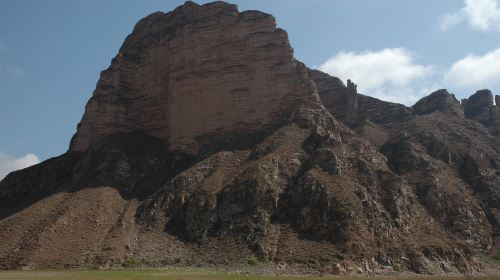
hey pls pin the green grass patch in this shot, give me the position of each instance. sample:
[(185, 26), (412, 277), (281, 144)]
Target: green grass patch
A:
[(182, 274)]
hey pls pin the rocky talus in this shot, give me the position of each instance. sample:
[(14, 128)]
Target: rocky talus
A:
[(206, 142)]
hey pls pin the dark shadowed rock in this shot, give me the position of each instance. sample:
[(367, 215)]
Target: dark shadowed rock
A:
[(481, 99)]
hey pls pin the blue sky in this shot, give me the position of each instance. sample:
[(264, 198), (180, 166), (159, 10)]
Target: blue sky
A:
[(51, 53)]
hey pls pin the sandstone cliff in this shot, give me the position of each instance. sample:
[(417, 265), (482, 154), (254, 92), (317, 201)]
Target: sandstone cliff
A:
[(206, 142), (195, 74)]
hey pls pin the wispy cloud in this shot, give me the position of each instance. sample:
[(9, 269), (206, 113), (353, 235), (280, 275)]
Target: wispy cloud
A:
[(450, 20), (9, 163), (15, 71), (483, 15), (9, 70)]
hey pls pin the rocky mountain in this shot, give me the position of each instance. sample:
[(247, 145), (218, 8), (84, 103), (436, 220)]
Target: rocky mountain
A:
[(196, 76), (206, 142)]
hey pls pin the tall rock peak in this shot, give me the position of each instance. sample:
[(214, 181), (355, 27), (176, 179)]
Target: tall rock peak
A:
[(195, 74), (352, 100), (480, 107), (480, 99)]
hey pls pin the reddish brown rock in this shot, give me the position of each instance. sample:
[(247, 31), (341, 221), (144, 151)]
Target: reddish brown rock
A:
[(193, 73)]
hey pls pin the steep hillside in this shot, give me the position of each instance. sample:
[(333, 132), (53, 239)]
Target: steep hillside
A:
[(448, 151)]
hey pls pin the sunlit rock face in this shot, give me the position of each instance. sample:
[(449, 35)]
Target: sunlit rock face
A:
[(195, 73)]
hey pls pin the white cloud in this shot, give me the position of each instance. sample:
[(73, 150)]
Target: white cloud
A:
[(389, 74), (9, 163), (475, 71), (392, 75), (482, 15)]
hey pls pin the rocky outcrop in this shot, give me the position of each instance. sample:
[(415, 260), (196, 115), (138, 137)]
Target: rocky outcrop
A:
[(440, 100), (343, 98), (448, 153), (205, 142), (194, 74), (480, 107), (365, 114), (352, 108)]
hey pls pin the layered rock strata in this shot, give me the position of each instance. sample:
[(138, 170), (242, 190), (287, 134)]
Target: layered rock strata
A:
[(196, 73)]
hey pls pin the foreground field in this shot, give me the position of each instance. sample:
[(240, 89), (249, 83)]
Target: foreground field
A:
[(186, 275)]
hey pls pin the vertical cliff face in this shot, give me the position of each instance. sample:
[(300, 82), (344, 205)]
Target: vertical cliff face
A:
[(189, 75)]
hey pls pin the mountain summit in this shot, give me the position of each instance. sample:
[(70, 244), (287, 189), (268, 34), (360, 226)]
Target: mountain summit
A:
[(206, 142), (195, 76)]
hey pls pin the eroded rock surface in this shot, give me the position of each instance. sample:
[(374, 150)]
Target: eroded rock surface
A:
[(448, 152)]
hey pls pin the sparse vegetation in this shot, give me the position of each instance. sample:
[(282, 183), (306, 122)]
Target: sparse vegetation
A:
[(266, 260), (396, 267), (496, 257), (131, 262), (253, 261), (316, 265)]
